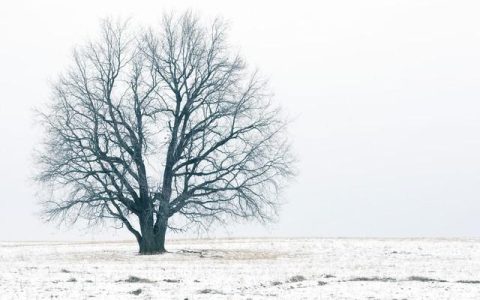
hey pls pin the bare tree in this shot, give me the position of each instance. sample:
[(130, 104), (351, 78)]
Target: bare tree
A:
[(161, 128)]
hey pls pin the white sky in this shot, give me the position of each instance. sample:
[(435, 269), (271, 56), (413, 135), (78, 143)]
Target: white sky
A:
[(385, 96)]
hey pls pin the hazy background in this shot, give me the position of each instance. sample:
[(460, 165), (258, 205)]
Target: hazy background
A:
[(385, 96)]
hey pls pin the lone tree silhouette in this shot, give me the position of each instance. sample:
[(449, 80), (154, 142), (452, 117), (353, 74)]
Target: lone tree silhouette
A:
[(160, 129)]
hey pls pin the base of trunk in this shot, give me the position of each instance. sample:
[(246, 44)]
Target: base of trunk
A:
[(152, 240), (151, 247), (154, 244), (152, 252)]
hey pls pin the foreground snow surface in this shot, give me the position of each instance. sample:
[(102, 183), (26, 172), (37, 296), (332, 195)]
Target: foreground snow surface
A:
[(244, 269)]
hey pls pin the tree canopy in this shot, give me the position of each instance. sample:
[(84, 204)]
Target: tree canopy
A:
[(162, 127)]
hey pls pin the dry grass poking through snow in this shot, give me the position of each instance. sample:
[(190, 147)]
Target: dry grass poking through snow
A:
[(245, 269)]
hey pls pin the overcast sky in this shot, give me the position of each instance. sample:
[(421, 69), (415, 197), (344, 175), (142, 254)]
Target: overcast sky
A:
[(385, 97)]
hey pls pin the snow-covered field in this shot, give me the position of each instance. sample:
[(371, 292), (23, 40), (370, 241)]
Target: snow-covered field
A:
[(244, 269)]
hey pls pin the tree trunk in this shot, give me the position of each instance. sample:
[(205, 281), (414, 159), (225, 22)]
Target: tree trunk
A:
[(152, 241), (154, 244)]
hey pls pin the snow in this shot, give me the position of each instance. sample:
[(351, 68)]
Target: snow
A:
[(265, 268)]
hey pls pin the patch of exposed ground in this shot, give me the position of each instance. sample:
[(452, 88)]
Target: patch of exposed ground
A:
[(133, 279), (469, 281), (233, 254), (410, 278)]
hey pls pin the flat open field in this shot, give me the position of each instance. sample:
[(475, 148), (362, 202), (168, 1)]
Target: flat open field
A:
[(244, 269)]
